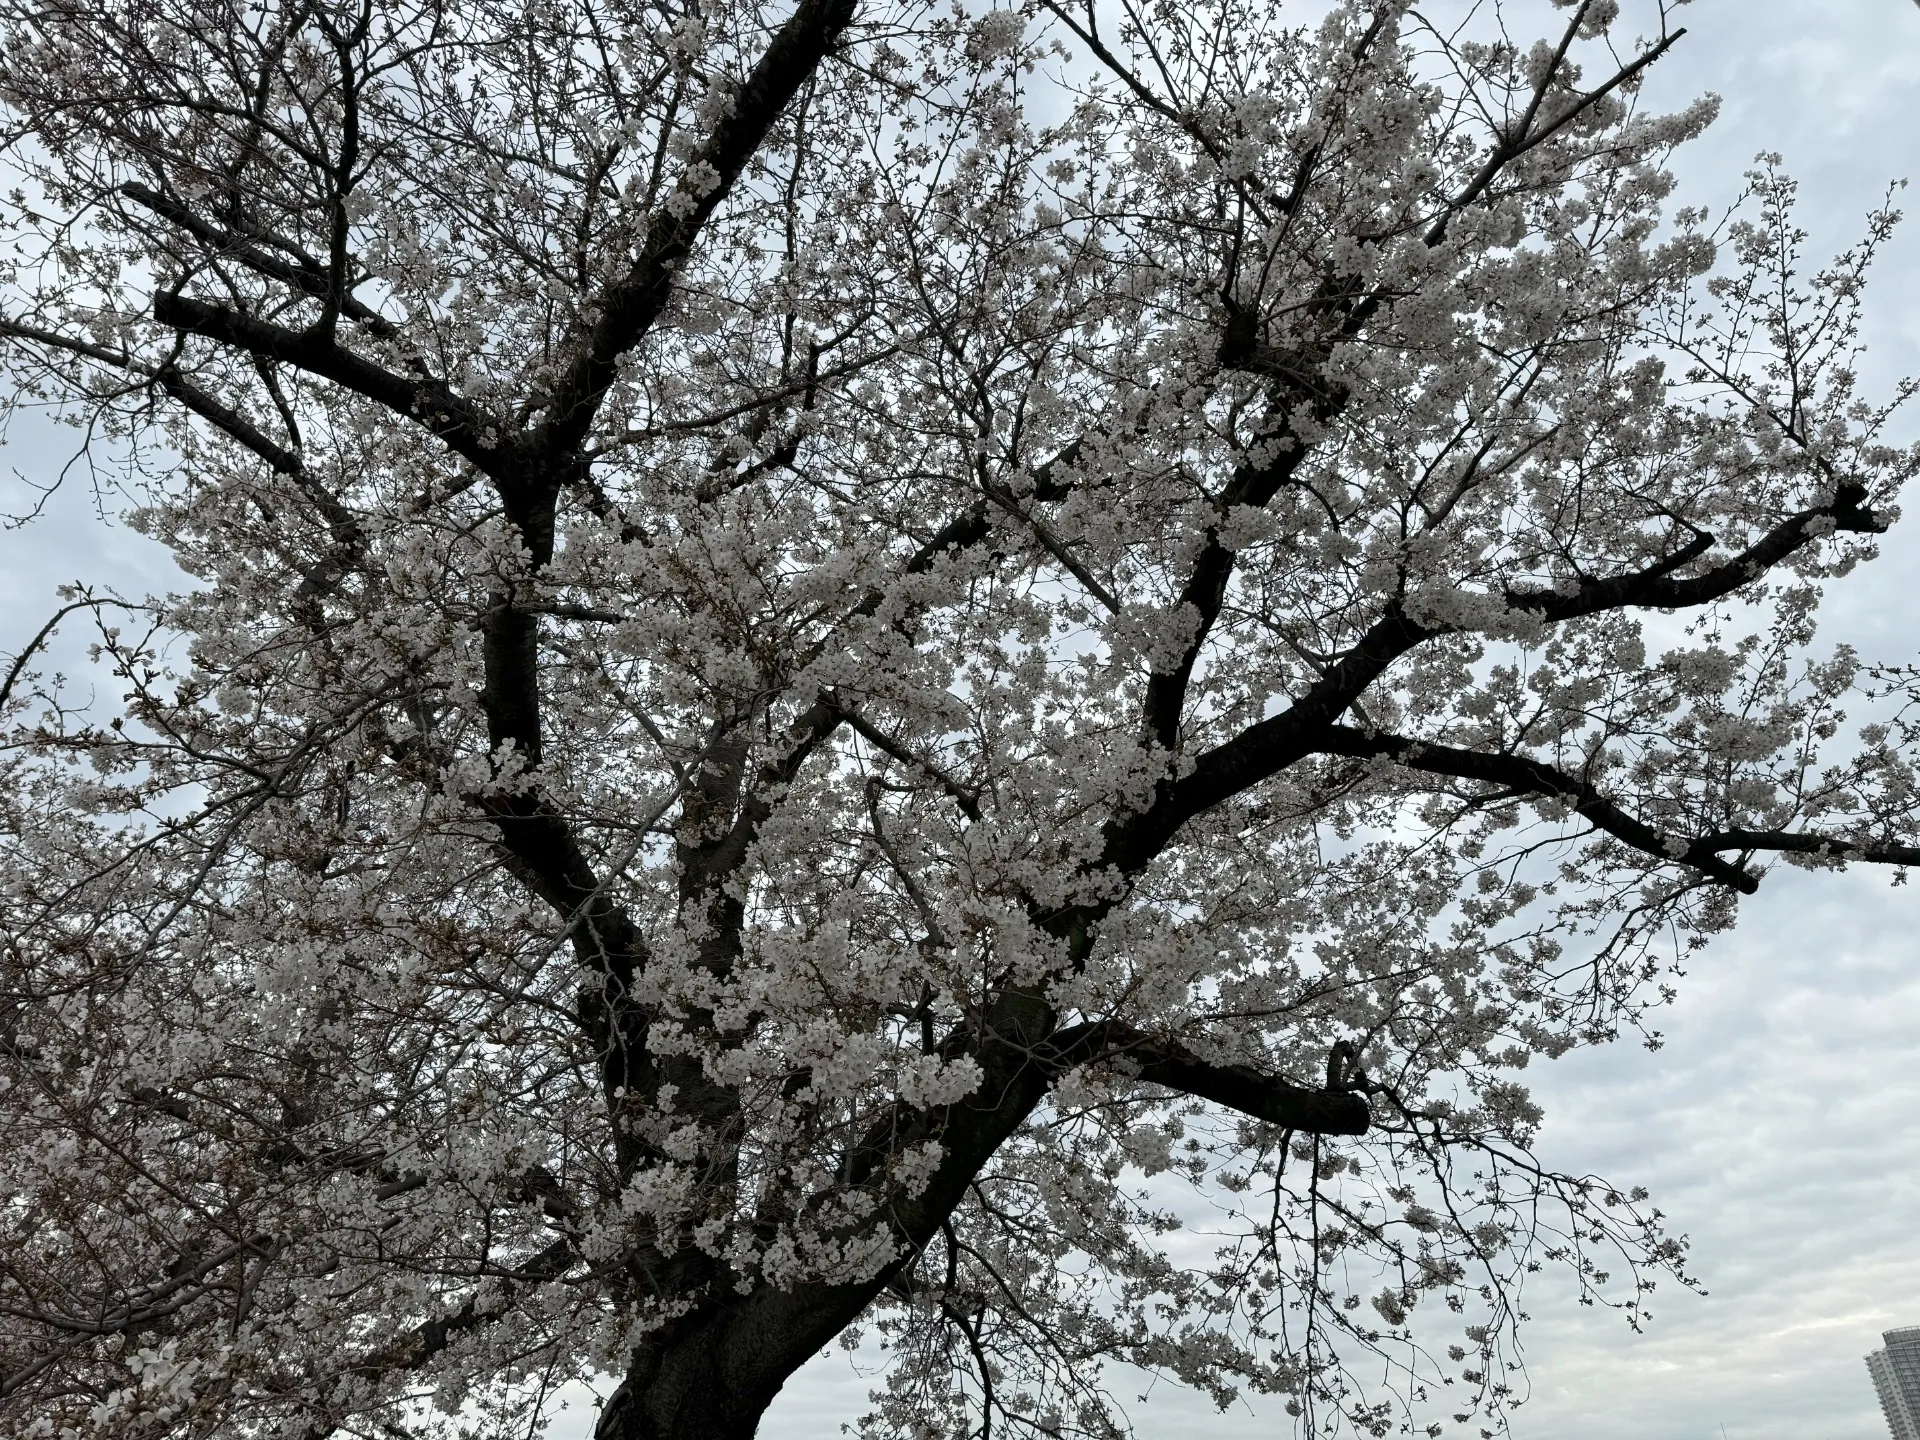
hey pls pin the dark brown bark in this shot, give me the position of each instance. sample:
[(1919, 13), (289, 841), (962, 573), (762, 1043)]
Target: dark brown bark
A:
[(712, 1376)]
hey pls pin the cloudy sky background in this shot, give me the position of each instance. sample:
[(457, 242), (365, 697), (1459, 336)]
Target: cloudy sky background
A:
[(1780, 1125)]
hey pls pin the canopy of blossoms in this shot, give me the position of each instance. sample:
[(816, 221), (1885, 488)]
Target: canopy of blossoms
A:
[(965, 679)]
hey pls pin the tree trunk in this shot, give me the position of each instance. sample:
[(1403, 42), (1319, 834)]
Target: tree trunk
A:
[(686, 1392), (713, 1377)]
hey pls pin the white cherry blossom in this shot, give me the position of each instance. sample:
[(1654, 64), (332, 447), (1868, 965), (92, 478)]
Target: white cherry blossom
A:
[(846, 661)]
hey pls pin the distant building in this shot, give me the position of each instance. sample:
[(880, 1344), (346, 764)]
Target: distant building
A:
[(1896, 1375)]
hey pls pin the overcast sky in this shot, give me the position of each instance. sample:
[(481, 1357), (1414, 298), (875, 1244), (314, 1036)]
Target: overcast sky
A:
[(1780, 1125)]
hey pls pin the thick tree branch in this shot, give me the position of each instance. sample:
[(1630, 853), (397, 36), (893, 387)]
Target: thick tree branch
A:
[(428, 402), (1266, 748), (429, 1338), (342, 526), (966, 799), (1297, 374), (1534, 777), (1838, 847), (772, 1330), (309, 279), (1206, 588), (710, 865), (1524, 137), (1656, 588), (1269, 746), (1242, 1088), (629, 309)]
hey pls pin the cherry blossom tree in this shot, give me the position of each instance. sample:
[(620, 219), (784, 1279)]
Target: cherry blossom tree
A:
[(963, 679)]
